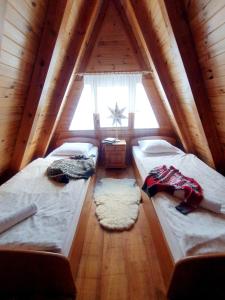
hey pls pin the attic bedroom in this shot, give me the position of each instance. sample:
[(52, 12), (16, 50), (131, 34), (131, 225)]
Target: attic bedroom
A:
[(112, 149)]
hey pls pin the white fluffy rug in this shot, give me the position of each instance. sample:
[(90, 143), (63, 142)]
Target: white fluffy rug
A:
[(117, 202)]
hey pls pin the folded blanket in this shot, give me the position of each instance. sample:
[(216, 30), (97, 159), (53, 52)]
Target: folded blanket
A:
[(170, 180), (63, 169), (8, 220)]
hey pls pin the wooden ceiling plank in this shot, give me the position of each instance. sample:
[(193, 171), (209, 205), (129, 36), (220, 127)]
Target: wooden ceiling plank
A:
[(143, 20), (85, 60), (141, 57), (34, 99), (176, 13)]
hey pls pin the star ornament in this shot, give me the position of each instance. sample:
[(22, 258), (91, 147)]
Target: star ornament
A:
[(117, 114)]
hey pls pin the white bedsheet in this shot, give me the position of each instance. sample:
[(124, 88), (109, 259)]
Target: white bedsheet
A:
[(59, 207), (201, 231)]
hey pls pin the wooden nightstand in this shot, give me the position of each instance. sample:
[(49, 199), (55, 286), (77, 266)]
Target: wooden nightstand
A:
[(115, 154)]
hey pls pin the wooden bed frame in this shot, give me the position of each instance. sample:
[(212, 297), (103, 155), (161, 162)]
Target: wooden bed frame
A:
[(192, 277), (28, 272)]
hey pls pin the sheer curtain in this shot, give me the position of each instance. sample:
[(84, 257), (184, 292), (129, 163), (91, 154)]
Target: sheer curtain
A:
[(109, 89)]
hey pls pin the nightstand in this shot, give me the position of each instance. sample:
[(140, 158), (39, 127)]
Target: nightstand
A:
[(115, 154)]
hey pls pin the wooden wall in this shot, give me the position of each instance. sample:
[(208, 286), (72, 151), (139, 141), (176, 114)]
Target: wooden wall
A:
[(22, 26), (113, 50), (207, 22), (179, 83)]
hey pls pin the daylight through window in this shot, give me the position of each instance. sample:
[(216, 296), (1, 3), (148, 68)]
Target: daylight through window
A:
[(100, 95)]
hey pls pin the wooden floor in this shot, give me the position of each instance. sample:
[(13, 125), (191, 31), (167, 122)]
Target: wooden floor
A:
[(119, 265)]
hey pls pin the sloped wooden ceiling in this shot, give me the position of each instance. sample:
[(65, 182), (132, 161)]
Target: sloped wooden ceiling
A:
[(207, 24), (21, 24), (113, 50), (34, 106)]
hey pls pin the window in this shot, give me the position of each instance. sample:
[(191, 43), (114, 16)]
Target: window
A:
[(100, 95), (144, 116)]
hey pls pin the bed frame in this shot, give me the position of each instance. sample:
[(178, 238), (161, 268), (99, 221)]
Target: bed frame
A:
[(33, 273), (192, 277)]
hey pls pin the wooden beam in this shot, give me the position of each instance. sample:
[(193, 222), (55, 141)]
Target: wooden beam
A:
[(156, 102), (175, 11), (76, 50), (143, 23), (3, 4), (35, 97), (70, 106)]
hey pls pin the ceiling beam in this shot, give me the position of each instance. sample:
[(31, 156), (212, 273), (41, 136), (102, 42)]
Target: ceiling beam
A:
[(35, 99), (143, 23), (77, 47), (70, 106), (156, 101), (176, 13)]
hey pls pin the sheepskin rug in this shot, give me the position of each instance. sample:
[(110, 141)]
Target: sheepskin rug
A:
[(117, 202)]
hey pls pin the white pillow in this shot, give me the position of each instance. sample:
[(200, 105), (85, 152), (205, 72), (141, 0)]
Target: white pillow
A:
[(157, 146), (68, 149)]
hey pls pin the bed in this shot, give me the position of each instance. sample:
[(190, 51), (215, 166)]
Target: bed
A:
[(40, 255), (191, 248)]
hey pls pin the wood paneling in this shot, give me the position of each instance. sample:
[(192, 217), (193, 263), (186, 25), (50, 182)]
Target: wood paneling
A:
[(113, 50), (35, 98), (208, 30), (172, 75), (70, 55), (22, 25), (175, 11)]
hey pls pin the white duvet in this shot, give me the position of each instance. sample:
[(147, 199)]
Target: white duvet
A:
[(58, 209), (201, 231)]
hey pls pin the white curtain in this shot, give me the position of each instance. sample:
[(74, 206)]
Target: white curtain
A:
[(109, 89)]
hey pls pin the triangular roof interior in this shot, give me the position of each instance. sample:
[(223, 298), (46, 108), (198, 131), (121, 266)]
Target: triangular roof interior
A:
[(123, 36), (113, 49)]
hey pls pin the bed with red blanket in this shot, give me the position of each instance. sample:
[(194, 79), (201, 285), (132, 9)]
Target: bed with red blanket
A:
[(191, 247)]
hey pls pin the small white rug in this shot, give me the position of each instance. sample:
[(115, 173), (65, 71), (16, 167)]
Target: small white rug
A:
[(117, 202)]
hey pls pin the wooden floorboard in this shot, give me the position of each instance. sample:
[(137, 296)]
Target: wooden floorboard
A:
[(119, 265)]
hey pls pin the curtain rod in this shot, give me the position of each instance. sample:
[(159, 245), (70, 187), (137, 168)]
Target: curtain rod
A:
[(101, 73)]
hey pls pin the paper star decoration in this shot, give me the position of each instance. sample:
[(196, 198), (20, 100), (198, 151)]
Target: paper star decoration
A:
[(117, 114)]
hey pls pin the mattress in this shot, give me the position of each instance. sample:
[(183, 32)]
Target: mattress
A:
[(59, 206), (200, 232)]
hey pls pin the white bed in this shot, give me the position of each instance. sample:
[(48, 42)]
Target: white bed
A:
[(52, 227), (201, 231), (41, 254), (190, 248)]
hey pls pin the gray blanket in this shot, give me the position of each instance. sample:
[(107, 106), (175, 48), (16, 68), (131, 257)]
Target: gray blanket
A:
[(63, 169)]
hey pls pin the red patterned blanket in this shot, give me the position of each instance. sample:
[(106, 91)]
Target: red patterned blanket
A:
[(170, 180)]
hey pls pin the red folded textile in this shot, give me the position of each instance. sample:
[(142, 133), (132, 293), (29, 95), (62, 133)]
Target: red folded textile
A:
[(170, 180)]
